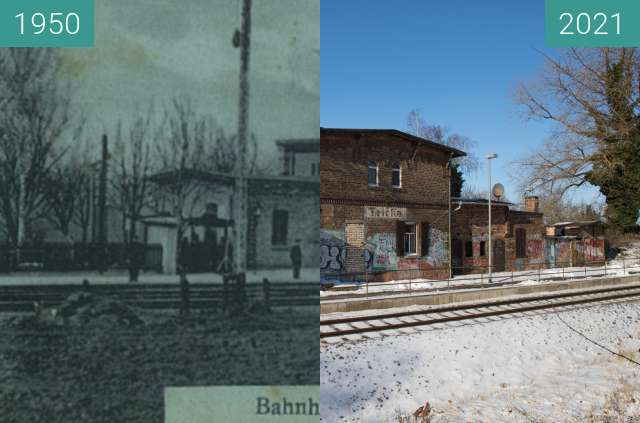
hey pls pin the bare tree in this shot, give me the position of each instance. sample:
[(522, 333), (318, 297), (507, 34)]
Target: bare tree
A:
[(131, 172), (556, 207), (224, 153), (417, 125), (183, 155), (592, 97), (84, 211), (67, 194), (35, 117)]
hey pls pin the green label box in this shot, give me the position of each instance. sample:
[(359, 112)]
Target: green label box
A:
[(592, 23), (46, 23), (242, 404)]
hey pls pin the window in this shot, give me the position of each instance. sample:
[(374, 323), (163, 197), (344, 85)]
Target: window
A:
[(409, 238), (521, 243), (289, 163), (280, 227), (396, 176), (373, 174), (468, 249), (482, 248)]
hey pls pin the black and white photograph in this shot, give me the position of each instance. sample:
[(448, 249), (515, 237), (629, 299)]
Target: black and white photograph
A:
[(159, 209)]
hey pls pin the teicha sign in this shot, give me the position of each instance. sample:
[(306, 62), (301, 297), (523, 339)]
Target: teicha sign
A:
[(592, 23), (240, 404), (385, 213), (46, 23)]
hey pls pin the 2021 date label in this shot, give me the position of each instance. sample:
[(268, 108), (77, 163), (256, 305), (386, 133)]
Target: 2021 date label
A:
[(47, 23), (592, 23)]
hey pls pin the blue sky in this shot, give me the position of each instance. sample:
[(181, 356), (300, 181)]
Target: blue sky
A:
[(457, 60)]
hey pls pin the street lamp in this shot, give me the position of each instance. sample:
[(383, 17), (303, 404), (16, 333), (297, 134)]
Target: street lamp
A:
[(489, 157)]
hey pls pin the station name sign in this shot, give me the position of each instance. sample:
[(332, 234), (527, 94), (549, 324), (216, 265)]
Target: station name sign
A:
[(395, 213), (231, 404)]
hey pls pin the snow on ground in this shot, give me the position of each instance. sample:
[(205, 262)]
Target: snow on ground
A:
[(114, 277), (529, 368), (525, 277)]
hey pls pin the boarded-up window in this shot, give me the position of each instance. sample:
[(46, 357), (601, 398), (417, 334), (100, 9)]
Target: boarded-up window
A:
[(279, 227), (400, 238), (425, 238), (468, 249), (521, 243), (482, 248)]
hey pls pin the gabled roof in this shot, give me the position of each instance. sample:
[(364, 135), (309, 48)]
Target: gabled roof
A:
[(400, 134)]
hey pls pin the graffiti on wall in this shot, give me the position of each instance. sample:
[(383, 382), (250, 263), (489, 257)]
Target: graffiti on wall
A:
[(563, 253), (380, 253), (550, 251), (438, 247), (594, 249), (332, 250), (384, 251), (535, 248)]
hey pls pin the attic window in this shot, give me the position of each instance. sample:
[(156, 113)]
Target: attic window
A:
[(396, 176), (372, 174)]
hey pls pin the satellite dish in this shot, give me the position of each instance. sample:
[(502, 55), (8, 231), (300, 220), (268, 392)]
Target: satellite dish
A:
[(498, 190)]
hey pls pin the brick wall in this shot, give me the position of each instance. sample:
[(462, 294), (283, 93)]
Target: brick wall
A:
[(343, 169), (345, 193), (470, 225)]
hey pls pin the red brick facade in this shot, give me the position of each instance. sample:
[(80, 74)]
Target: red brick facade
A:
[(387, 231), (470, 241)]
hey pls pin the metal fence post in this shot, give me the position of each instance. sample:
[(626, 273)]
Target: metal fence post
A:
[(624, 268), (225, 291), (538, 273), (605, 268)]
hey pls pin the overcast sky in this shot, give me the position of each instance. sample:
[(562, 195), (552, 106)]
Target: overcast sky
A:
[(155, 49)]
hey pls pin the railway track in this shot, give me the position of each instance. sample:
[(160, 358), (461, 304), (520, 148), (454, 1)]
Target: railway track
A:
[(331, 328), (21, 298)]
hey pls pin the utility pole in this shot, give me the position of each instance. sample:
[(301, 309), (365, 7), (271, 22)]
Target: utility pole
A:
[(102, 206), (241, 186), (449, 165), (489, 158)]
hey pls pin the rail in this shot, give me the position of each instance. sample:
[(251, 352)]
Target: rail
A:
[(21, 298), (379, 322)]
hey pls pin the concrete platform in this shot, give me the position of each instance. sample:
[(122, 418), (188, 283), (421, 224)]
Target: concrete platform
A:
[(441, 298)]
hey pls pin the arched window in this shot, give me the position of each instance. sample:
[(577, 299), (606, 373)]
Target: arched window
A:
[(396, 176), (373, 174)]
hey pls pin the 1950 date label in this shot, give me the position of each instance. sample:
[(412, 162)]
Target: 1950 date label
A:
[(47, 23)]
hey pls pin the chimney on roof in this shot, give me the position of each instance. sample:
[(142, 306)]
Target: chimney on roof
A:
[(532, 204)]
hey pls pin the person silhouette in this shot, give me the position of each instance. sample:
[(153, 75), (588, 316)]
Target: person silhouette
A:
[(296, 258)]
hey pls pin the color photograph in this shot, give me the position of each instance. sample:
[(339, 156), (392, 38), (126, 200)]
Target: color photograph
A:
[(479, 238)]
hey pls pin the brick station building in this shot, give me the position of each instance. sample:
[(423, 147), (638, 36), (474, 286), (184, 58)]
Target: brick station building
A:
[(518, 237), (384, 204)]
